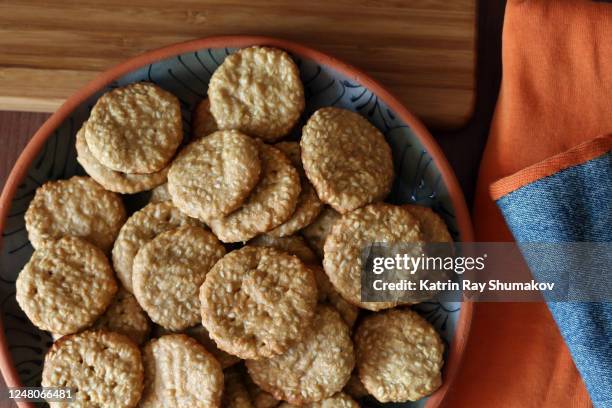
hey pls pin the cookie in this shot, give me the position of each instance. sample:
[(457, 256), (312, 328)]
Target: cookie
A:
[(135, 129), (317, 232), (213, 176), (347, 160), (258, 91), (375, 223), (433, 227), (160, 193), (257, 301), (140, 228), (294, 244), (308, 204), (200, 333), (203, 122), (78, 207), (269, 205), (328, 294), (259, 397), (125, 316), (314, 368), (399, 356), (354, 387), (235, 394), (65, 286), (179, 373), (168, 272), (340, 400), (112, 180), (104, 369)]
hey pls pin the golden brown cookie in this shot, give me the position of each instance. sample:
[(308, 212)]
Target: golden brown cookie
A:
[(104, 369), (66, 285), (203, 121), (399, 356), (258, 91), (78, 207), (235, 394), (329, 295), (308, 205), (270, 204), (213, 176), (375, 223), (179, 373), (257, 301), (168, 272), (340, 400), (135, 129), (160, 193), (112, 180), (433, 227), (125, 316), (347, 160), (317, 232), (294, 244), (140, 228), (314, 368)]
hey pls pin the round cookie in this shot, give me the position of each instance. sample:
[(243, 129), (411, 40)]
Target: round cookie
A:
[(112, 180), (160, 193), (347, 160), (328, 294), (294, 244), (317, 232), (125, 316), (104, 369), (433, 227), (270, 204), (399, 356), (314, 368), (308, 204), (257, 301), (375, 223), (140, 228), (179, 372), (258, 91), (65, 286), (168, 272), (203, 122), (212, 176), (78, 207), (340, 400), (135, 129)]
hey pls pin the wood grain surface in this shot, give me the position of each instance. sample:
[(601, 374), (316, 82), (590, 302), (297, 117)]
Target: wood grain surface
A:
[(422, 50)]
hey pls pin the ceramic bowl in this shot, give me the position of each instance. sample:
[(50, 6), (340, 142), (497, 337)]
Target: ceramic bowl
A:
[(423, 177)]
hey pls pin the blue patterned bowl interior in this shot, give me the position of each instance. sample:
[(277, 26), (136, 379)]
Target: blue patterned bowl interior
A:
[(187, 76)]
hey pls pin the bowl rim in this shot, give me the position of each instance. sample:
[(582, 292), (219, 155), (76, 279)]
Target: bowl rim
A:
[(33, 147)]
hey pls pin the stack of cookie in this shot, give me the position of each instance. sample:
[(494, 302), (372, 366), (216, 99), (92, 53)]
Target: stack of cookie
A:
[(238, 284)]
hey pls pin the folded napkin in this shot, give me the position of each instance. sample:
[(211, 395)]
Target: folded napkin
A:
[(565, 199), (555, 94)]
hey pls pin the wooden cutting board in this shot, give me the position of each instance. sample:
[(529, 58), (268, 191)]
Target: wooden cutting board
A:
[(422, 50)]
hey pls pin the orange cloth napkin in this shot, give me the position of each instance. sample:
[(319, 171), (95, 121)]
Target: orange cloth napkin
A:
[(556, 92)]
